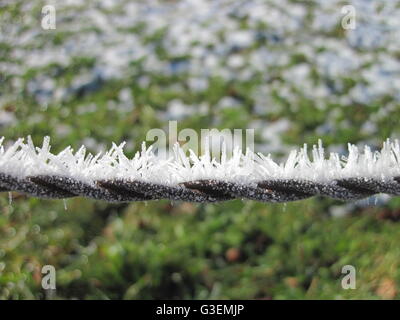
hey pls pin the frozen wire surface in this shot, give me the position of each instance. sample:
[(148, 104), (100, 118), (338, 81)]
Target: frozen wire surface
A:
[(113, 177)]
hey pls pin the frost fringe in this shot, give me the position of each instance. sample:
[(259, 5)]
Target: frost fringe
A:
[(115, 178)]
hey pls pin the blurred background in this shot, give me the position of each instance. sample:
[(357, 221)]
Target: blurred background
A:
[(114, 69)]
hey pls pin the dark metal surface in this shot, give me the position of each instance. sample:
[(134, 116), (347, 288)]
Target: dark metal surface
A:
[(120, 190)]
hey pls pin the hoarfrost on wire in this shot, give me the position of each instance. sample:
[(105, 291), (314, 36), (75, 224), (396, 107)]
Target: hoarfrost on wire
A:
[(23, 159)]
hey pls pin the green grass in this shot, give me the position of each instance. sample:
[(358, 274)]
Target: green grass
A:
[(232, 250), (158, 250)]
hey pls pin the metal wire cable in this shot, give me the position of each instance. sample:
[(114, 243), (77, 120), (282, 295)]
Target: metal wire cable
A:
[(209, 190), (59, 186)]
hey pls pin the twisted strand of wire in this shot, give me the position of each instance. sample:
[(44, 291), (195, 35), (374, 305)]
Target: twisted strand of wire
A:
[(113, 177)]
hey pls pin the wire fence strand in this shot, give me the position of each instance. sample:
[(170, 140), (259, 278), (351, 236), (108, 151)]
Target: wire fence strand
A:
[(35, 178)]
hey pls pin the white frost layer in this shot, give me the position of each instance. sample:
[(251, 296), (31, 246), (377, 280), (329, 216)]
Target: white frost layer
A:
[(22, 159)]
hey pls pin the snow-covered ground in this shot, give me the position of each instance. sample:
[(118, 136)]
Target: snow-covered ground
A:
[(231, 39), (294, 50)]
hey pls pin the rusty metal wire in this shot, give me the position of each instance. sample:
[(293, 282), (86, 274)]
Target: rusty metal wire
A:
[(113, 177), (120, 190)]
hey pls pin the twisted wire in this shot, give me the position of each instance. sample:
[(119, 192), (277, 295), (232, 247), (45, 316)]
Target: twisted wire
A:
[(206, 190), (31, 179)]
